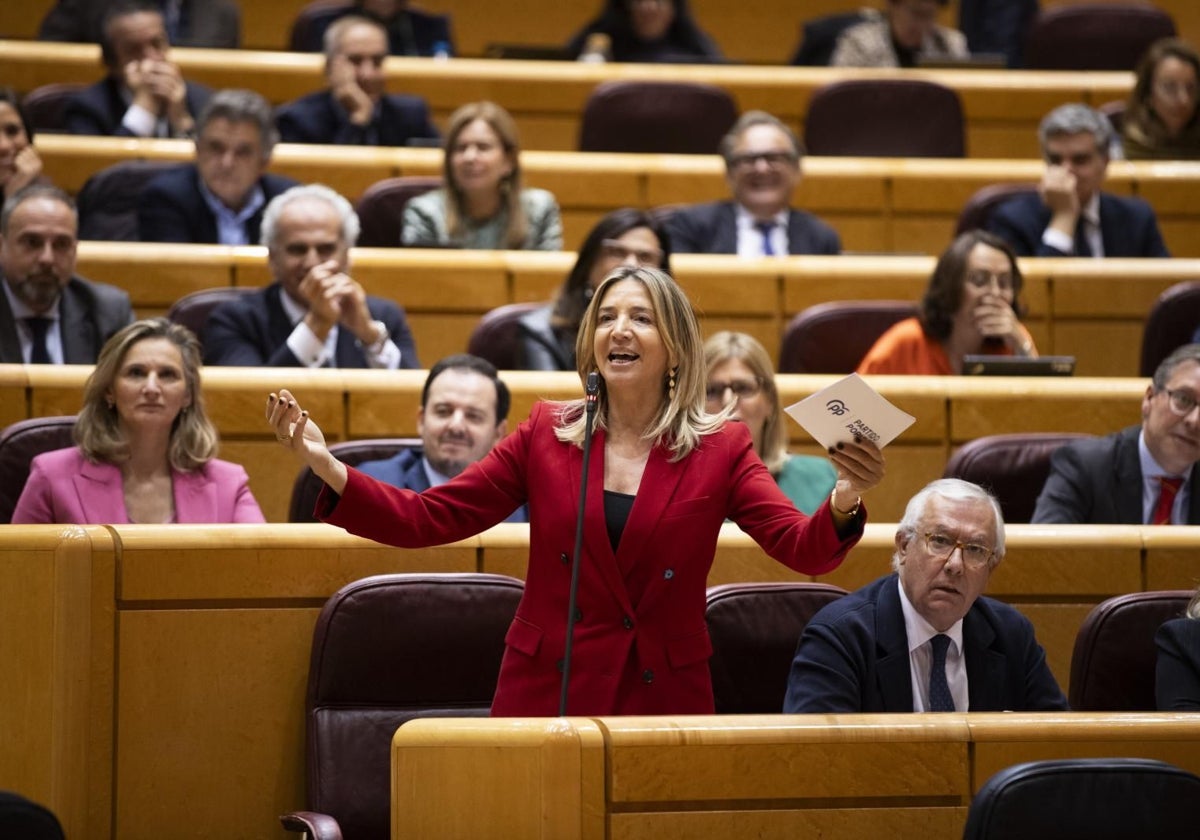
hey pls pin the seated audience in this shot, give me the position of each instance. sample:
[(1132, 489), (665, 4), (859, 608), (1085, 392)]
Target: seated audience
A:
[(48, 314), (314, 313), (646, 31), (905, 32), (219, 199), (354, 110), (483, 204), (997, 26), (190, 23), (146, 447), (740, 372), (20, 164), (410, 31), (1161, 119), (1070, 215), (972, 306), (925, 638), (623, 237), (1141, 475), (762, 166), (463, 414), (1177, 676), (144, 93)]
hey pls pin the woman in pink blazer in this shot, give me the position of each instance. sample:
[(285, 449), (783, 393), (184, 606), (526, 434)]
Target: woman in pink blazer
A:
[(146, 447), (664, 474)]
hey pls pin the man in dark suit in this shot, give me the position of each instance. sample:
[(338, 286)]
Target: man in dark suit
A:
[(220, 198), (1070, 216), (1142, 475), (410, 31), (190, 23), (314, 314), (762, 166), (144, 94), (463, 413), (354, 110), (47, 314), (925, 639)]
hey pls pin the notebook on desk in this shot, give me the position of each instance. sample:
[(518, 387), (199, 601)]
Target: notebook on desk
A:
[(1018, 365)]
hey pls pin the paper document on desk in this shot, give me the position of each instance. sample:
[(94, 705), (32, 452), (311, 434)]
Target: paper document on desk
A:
[(847, 408)]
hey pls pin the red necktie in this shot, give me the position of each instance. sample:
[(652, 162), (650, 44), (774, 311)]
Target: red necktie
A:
[(1166, 500)]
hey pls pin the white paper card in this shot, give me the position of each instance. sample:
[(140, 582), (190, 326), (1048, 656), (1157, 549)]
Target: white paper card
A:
[(847, 408)]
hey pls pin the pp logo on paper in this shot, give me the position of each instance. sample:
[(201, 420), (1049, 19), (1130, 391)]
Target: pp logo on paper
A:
[(837, 408)]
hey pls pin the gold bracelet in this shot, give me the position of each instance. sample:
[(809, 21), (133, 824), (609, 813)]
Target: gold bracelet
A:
[(850, 514)]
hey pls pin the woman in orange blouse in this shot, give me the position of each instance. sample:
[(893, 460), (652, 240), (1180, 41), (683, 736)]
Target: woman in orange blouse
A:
[(971, 307)]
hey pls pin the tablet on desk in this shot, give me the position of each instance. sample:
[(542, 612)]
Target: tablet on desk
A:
[(1018, 365)]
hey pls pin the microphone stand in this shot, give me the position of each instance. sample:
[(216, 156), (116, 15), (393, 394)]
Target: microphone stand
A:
[(592, 396)]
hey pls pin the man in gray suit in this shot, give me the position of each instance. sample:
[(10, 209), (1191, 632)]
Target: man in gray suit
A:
[(47, 314)]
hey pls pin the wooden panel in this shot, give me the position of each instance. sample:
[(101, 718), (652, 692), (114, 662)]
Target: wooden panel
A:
[(14, 405), (1171, 563), (1100, 348), (1056, 626), (920, 823), (1072, 405)]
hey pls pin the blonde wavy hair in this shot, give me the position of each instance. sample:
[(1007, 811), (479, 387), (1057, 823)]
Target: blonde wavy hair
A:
[(501, 122), (727, 345)]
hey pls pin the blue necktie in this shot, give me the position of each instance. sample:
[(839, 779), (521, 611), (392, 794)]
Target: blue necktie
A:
[(765, 229), (939, 690), (1083, 248), (39, 352)]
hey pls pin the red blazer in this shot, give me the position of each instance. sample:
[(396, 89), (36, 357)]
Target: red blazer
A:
[(643, 657)]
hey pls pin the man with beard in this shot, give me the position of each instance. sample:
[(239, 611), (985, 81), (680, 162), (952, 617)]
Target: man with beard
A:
[(47, 314), (1142, 475), (762, 165), (463, 413), (925, 639)]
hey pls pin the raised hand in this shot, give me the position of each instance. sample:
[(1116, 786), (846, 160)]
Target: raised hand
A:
[(296, 432), (860, 466)]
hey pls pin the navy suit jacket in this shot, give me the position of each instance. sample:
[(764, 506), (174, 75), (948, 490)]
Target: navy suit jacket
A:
[(1128, 227), (1177, 673), (406, 470), (90, 313), (712, 229), (252, 331), (172, 209), (853, 657), (1099, 482), (98, 109), (319, 118)]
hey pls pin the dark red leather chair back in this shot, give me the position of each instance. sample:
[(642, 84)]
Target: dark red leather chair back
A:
[(45, 105), (497, 336), (19, 443), (192, 310), (656, 117), (1172, 321), (1094, 36), (381, 208), (885, 118), (833, 337), (983, 203)]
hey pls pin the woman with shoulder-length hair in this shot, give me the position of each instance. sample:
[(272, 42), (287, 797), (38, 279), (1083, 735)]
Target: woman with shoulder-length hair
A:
[(647, 31), (145, 445), (972, 306), (483, 204), (1161, 118), (664, 473), (1177, 678), (623, 237), (20, 164)]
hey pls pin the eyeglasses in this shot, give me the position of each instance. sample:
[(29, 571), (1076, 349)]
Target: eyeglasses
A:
[(613, 249), (741, 388), (1175, 90), (979, 279), (942, 546), (747, 160), (1181, 402)]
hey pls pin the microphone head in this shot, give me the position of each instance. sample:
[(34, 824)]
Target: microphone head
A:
[(593, 383)]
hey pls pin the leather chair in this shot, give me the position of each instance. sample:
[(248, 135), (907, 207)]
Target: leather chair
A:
[(192, 310), (754, 629), (497, 336), (108, 202), (352, 453), (984, 201), (833, 337), (381, 208), (27, 820), (1115, 111), (875, 118), (44, 105), (1092, 798), (1094, 36), (312, 21), (19, 443), (386, 650), (1013, 467), (659, 117), (819, 37), (1172, 321), (1112, 666)]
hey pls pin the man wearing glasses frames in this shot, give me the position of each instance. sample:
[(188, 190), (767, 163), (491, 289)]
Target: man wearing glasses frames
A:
[(762, 167), (1142, 475), (925, 639)]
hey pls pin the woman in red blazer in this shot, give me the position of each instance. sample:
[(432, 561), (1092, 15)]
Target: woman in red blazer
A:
[(664, 475)]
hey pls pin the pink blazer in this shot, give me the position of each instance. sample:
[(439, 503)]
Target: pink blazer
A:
[(641, 643), (65, 487)]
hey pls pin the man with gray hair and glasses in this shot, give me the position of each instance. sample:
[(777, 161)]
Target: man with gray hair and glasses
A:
[(925, 639), (1142, 475), (1070, 216)]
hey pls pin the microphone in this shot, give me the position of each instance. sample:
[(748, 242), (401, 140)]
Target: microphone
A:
[(591, 398)]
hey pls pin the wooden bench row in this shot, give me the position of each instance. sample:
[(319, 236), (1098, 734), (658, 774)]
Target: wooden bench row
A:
[(158, 666)]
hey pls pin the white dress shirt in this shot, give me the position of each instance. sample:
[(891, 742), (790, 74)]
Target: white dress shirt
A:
[(920, 658)]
